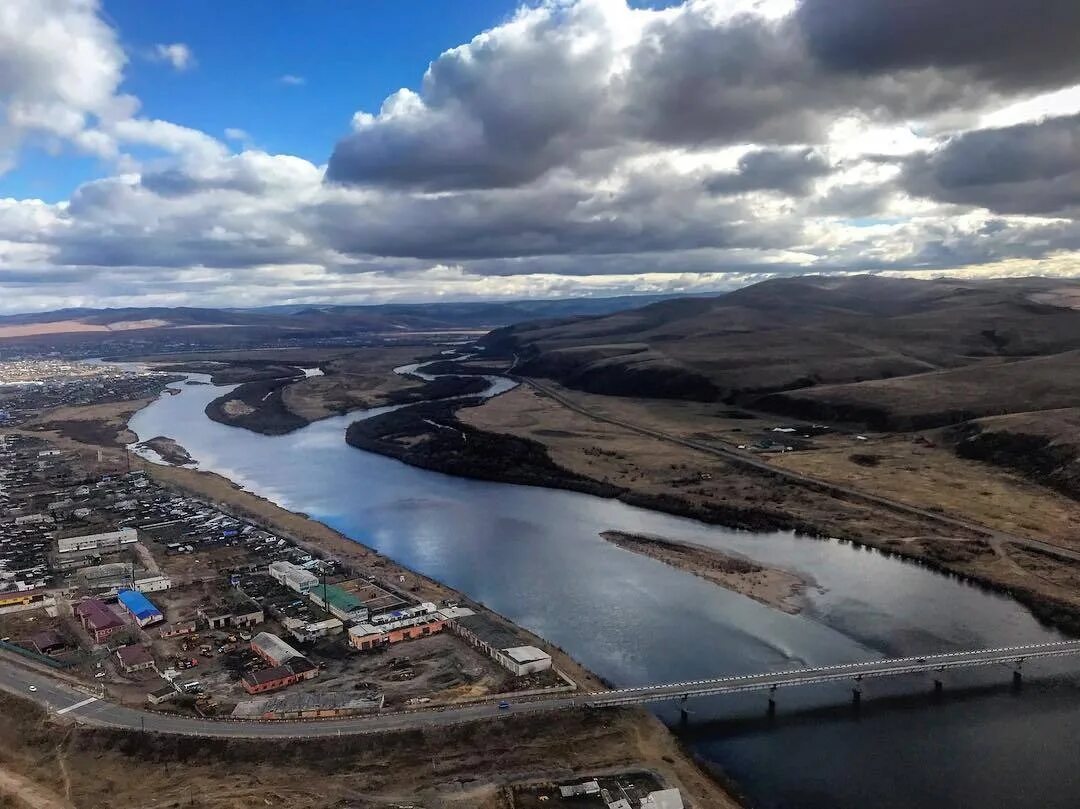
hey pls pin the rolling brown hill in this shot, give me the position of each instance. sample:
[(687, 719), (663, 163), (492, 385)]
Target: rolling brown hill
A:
[(995, 362), (796, 334)]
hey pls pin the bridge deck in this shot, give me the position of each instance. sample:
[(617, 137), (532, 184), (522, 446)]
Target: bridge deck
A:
[(888, 667)]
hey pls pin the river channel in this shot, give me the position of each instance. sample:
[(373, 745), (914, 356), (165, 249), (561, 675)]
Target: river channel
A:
[(536, 556)]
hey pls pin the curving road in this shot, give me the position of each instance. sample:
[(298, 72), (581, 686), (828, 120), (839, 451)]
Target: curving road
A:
[(82, 705)]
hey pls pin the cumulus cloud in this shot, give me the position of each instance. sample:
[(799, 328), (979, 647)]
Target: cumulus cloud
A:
[(60, 69), (1026, 169), (176, 54), (292, 81), (581, 145)]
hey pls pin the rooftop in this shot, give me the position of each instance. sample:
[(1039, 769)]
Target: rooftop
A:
[(493, 634), (264, 676), (138, 604), (134, 655), (97, 614), (274, 647)]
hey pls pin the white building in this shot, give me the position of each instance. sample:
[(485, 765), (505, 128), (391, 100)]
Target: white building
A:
[(522, 660), (294, 577), (153, 584), (91, 542)]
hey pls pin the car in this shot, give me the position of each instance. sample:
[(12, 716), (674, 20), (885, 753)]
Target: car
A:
[(33, 688), (100, 675), (504, 706)]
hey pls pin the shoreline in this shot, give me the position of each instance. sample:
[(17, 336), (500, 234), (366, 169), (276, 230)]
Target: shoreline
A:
[(773, 587), (666, 751)]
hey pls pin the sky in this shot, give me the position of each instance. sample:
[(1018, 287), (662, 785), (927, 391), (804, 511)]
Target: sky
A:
[(193, 152)]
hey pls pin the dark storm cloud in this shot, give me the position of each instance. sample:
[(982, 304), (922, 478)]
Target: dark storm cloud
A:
[(1009, 42), (1025, 169), (790, 171)]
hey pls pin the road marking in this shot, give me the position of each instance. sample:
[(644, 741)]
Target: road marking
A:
[(86, 701)]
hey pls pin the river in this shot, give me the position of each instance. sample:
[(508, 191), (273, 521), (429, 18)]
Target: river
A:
[(536, 556)]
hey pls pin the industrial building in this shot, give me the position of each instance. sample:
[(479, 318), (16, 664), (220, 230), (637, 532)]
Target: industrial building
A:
[(408, 624), (294, 577), (340, 603), (273, 649), (271, 679), (310, 706), (306, 631), (14, 597), (287, 665), (139, 607), (134, 658), (501, 644), (236, 609), (120, 576), (97, 619), (110, 540)]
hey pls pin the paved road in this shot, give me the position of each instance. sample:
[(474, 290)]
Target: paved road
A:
[(754, 462), (845, 672), (81, 704)]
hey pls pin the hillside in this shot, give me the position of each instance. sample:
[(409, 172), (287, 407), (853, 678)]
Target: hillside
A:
[(986, 358), (795, 333), (327, 320)]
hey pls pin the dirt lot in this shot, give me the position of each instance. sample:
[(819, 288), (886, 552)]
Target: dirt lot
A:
[(464, 767)]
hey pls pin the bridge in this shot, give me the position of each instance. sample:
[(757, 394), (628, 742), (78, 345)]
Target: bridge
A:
[(855, 673), (62, 696)]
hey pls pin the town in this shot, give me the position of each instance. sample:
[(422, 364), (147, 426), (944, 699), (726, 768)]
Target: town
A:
[(167, 602)]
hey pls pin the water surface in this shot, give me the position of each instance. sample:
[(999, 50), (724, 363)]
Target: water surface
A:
[(536, 556)]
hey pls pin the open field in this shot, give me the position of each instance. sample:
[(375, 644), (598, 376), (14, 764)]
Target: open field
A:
[(656, 473)]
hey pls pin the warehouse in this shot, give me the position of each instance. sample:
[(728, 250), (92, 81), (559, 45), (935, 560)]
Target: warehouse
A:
[(306, 631), (259, 682), (368, 636), (118, 575), (294, 577), (91, 542), (98, 619), (140, 607), (273, 649), (342, 604), (310, 706), (501, 644)]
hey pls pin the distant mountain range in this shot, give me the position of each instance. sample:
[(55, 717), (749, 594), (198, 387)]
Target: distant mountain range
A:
[(313, 320)]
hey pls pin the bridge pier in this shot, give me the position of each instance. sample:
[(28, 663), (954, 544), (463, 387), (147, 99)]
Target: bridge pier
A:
[(684, 712), (1018, 678), (939, 686), (772, 702), (856, 697)]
